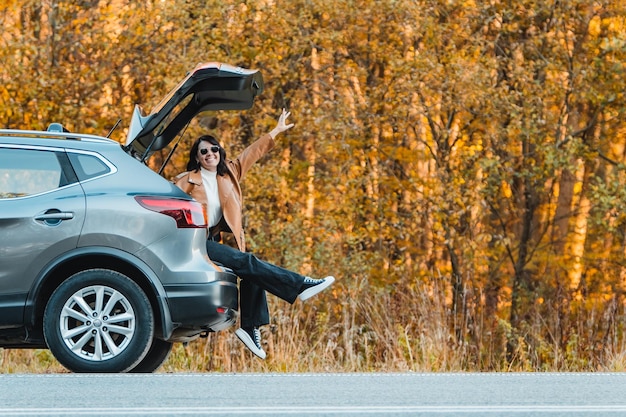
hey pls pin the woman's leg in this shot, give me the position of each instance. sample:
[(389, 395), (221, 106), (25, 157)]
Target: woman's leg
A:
[(256, 277), (279, 281), (252, 305)]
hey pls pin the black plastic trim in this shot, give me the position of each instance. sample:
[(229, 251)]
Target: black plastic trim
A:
[(195, 304), (12, 310)]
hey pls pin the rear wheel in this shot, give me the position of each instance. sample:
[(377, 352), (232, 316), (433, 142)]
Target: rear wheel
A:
[(157, 355), (99, 321)]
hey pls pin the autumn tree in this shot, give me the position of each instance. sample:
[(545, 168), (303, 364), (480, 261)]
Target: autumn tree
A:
[(458, 165)]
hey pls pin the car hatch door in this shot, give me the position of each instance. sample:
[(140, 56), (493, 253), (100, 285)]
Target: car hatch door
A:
[(209, 86)]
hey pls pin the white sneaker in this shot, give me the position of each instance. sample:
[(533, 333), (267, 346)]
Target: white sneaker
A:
[(252, 340), (311, 286)]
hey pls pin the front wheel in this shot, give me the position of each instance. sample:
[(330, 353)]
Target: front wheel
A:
[(98, 321)]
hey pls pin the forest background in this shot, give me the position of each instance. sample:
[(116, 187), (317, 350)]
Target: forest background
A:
[(459, 166)]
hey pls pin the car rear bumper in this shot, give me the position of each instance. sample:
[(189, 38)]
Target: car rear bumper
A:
[(204, 306)]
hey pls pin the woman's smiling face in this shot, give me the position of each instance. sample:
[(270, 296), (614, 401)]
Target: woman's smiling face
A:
[(208, 155)]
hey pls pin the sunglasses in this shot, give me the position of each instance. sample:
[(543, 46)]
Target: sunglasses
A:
[(213, 149)]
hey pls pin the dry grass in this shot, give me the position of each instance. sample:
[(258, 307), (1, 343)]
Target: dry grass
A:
[(356, 328)]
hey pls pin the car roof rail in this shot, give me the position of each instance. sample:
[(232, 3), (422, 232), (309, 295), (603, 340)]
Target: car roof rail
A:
[(43, 134)]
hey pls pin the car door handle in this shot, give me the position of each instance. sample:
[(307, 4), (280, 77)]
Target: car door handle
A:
[(63, 215)]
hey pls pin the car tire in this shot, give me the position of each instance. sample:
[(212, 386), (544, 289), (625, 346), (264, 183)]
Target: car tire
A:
[(157, 354), (98, 320)]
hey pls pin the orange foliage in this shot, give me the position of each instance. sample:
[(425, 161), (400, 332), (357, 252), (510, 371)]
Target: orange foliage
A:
[(433, 145)]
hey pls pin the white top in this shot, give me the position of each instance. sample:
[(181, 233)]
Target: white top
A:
[(214, 208)]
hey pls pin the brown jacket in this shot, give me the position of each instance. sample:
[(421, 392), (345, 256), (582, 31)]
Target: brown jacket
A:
[(231, 198)]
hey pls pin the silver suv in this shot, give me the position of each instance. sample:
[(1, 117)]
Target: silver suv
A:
[(102, 260)]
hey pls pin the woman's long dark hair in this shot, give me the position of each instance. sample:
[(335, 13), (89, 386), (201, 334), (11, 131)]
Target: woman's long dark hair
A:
[(194, 165)]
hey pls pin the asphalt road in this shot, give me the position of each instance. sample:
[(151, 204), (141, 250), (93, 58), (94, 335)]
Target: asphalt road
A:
[(363, 394)]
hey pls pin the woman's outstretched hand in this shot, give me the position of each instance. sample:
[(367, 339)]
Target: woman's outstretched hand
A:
[(282, 125)]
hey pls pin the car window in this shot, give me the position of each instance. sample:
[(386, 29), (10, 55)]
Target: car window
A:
[(178, 109), (25, 172), (88, 166)]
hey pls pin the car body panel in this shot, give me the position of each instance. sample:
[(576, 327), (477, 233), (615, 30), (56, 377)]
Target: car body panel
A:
[(28, 243)]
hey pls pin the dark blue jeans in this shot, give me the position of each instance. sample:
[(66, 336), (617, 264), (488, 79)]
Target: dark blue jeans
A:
[(257, 276)]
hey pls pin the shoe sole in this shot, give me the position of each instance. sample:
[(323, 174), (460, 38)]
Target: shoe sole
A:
[(247, 340), (310, 292)]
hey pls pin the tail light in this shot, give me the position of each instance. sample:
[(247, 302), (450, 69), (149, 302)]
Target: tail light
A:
[(187, 213)]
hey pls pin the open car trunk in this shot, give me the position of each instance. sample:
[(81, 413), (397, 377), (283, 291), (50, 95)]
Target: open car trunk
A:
[(209, 86)]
